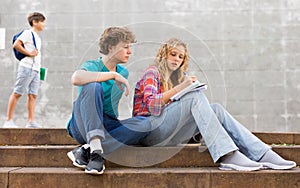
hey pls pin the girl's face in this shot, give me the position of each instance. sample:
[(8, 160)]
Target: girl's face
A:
[(175, 58)]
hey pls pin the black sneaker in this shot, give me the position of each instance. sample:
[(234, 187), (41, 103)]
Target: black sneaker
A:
[(79, 156), (96, 163)]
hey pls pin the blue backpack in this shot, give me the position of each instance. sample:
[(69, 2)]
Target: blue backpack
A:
[(18, 54)]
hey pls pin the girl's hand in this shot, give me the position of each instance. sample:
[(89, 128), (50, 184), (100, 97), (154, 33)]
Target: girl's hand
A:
[(119, 80), (187, 81)]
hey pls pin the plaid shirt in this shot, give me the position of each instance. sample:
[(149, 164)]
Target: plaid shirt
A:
[(148, 94)]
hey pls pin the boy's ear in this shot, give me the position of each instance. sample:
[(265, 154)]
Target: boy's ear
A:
[(110, 48), (34, 22)]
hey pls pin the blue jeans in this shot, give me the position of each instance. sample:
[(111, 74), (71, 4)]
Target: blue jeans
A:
[(220, 131), (89, 121)]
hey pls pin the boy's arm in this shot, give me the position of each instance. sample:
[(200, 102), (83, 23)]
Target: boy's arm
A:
[(82, 77), (18, 46)]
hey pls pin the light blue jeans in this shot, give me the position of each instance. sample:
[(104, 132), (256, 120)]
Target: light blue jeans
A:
[(220, 131), (89, 121)]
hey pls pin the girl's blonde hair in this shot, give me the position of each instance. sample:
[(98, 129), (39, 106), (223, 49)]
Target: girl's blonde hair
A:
[(161, 63)]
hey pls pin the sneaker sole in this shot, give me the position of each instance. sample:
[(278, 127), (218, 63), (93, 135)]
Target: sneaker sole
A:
[(8, 126), (95, 172), (32, 127), (277, 167), (238, 168), (72, 158)]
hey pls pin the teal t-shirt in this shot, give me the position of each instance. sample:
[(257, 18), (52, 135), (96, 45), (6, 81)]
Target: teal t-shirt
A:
[(111, 92)]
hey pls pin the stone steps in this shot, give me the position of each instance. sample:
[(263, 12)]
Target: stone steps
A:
[(189, 156), (148, 177), (59, 136), (37, 158), (23, 136)]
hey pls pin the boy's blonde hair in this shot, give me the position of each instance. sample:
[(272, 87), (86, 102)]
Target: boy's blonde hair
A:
[(112, 36), (35, 16), (161, 63)]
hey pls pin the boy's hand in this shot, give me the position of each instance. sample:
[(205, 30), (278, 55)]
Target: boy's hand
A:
[(18, 46), (34, 53), (119, 80)]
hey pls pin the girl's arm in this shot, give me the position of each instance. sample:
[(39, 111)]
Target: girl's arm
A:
[(170, 93), (154, 98)]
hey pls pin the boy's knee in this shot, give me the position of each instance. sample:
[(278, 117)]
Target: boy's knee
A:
[(16, 95), (92, 87), (31, 96)]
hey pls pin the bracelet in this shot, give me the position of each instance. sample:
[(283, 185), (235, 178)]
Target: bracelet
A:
[(97, 76)]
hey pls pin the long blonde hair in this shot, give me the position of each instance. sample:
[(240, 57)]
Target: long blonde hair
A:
[(161, 63)]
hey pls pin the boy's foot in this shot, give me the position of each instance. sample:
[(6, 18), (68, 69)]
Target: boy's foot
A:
[(33, 124), (80, 156), (196, 137), (96, 163), (238, 161), (9, 124), (272, 160)]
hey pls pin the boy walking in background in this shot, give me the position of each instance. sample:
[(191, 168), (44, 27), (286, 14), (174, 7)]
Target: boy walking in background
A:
[(28, 76)]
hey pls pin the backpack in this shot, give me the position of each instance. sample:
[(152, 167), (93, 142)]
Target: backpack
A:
[(18, 54)]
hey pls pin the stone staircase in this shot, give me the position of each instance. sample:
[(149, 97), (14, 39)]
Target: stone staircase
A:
[(37, 158)]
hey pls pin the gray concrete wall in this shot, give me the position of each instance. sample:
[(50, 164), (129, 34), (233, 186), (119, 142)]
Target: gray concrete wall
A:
[(246, 50)]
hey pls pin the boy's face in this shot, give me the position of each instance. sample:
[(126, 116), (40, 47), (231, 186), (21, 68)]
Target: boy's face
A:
[(121, 52), (39, 25)]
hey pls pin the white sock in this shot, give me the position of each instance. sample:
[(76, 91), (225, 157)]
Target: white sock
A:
[(86, 146), (95, 144)]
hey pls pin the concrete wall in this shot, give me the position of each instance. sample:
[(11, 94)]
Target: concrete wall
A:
[(246, 50)]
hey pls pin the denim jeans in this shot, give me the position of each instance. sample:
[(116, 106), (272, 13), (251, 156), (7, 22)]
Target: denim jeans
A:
[(89, 121), (220, 131)]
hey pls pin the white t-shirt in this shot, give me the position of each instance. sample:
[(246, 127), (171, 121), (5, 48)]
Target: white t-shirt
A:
[(26, 38)]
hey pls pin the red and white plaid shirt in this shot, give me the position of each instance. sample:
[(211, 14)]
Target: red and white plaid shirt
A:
[(148, 94)]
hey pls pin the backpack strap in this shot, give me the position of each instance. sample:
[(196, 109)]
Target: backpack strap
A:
[(34, 43)]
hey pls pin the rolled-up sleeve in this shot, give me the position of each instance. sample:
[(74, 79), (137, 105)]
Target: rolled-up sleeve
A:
[(152, 92)]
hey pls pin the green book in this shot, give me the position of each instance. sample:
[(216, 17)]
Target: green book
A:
[(43, 73)]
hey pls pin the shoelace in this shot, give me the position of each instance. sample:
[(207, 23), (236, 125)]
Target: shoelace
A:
[(96, 156)]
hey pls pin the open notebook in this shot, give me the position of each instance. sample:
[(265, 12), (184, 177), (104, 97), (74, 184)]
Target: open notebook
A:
[(195, 86)]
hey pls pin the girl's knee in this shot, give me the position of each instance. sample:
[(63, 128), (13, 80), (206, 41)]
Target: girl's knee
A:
[(217, 107)]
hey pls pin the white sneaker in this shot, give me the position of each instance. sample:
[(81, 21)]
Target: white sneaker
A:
[(272, 160), (10, 124), (288, 165), (238, 161), (33, 125), (229, 166)]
